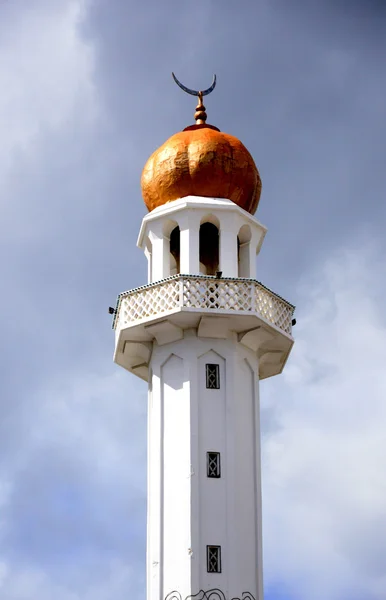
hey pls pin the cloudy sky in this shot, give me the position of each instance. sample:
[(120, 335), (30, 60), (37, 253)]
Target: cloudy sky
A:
[(86, 96)]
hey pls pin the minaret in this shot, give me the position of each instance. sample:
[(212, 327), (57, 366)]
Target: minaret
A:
[(203, 332)]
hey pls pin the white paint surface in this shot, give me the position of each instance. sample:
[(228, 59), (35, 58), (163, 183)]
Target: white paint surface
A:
[(188, 510), (188, 213)]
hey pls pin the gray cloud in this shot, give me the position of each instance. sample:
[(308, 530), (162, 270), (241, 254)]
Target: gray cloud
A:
[(86, 97), (323, 473)]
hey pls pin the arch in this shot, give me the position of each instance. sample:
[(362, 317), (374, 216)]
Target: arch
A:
[(245, 234), (209, 239), (244, 251), (210, 218), (168, 226), (171, 233), (211, 351), (175, 250)]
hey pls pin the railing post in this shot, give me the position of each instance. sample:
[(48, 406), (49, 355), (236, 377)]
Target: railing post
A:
[(253, 297), (220, 290), (288, 328), (181, 291)]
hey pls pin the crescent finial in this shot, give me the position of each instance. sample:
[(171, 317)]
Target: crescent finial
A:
[(193, 92), (200, 114)]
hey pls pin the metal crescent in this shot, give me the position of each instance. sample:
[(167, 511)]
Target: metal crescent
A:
[(193, 92)]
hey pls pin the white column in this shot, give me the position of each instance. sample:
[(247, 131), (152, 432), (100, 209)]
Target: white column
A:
[(149, 265), (189, 243), (252, 261), (254, 246), (245, 260), (228, 253), (160, 253)]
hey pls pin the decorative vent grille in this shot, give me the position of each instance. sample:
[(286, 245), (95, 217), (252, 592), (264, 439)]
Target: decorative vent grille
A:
[(213, 559), (213, 465), (212, 377)]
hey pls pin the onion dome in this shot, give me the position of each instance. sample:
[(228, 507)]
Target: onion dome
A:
[(201, 160)]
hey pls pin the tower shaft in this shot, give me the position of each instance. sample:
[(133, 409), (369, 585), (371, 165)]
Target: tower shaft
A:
[(204, 485)]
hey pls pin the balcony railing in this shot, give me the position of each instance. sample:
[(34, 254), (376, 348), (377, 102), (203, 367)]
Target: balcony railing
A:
[(199, 292)]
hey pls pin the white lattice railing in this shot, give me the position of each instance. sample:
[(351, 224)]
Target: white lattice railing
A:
[(205, 293)]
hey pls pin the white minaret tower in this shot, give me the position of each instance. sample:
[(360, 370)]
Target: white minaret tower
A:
[(202, 333)]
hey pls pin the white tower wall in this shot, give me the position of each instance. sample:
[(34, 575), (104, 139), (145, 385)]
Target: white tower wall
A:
[(187, 510)]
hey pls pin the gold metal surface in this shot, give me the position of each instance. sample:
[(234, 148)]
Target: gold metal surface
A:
[(200, 115), (201, 161)]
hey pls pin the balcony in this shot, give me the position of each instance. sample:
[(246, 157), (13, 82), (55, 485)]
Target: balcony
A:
[(203, 294), (214, 307)]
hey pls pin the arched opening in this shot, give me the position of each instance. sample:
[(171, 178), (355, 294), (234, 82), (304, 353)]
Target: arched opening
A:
[(243, 251), (175, 251), (209, 248)]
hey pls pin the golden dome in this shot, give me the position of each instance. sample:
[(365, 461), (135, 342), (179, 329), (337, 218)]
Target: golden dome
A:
[(201, 161)]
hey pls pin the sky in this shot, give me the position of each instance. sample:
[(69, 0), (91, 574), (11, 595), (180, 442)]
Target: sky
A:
[(86, 96)]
